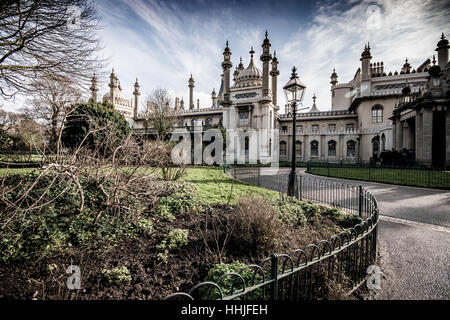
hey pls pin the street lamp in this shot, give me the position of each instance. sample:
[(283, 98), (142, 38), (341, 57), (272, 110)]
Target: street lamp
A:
[(294, 90)]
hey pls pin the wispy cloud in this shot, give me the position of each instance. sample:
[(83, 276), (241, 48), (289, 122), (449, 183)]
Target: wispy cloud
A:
[(338, 32), (163, 42)]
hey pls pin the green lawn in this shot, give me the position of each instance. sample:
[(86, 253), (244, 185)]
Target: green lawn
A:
[(410, 177), (215, 187)]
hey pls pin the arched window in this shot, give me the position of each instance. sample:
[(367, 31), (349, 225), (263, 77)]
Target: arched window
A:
[(332, 148), (377, 113), (351, 148), (283, 148), (298, 148), (314, 148)]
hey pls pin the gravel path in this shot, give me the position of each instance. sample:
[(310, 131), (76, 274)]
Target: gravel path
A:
[(414, 235)]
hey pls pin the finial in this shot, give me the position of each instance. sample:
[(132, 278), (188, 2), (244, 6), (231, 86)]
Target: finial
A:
[(406, 60), (368, 45), (434, 60), (251, 52), (314, 98), (294, 72), (442, 37), (334, 70), (266, 34), (274, 53), (227, 43), (240, 60)]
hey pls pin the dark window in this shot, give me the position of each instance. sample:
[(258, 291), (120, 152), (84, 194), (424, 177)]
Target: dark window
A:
[(350, 126), (351, 148), (314, 148), (377, 114), (298, 148), (243, 118), (332, 127), (282, 148), (331, 148)]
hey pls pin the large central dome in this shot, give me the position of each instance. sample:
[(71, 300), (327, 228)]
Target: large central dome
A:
[(250, 77)]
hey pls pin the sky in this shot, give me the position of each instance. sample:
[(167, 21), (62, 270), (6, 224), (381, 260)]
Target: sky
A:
[(163, 42)]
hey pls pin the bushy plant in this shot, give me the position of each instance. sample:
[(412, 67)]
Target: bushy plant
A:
[(116, 275), (226, 283), (175, 239), (183, 199), (257, 228), (349, 220)]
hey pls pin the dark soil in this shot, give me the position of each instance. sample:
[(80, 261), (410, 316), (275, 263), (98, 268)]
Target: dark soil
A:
[(151, 278)]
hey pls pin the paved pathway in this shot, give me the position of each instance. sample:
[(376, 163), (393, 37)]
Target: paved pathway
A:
[(414, 235)]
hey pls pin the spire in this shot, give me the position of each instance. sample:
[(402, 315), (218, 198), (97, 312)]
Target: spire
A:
[(251, 64), (314, 107), (241, 65)]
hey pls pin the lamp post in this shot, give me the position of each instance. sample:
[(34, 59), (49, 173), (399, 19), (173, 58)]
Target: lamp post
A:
[(294, 90)]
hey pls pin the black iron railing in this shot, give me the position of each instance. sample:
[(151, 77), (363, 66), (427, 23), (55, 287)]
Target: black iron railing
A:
[(307, 273), (418, 176)]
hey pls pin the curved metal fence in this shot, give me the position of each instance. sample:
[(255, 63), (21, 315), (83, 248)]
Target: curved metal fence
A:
[(309, 273)]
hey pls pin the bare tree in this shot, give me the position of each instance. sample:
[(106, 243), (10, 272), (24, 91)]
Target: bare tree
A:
[(42, 37), (53, 100), (160, 116)]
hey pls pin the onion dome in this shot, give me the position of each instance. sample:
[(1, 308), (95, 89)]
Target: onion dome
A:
[(443, 42), (252, 76), (435, 69), (366, 52)]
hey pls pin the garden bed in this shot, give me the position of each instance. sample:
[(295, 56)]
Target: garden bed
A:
[(172, 246)]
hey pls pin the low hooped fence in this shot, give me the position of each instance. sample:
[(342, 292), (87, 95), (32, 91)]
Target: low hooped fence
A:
[(308, 273)]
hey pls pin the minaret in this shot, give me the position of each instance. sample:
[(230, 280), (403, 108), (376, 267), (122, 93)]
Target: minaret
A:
[(365, 63), (112, 87), (94, 88), (136, 94), (442, 50), (177, 103), (334, 77), (214, 98), (226, 66), (265, 58), (274, 73), (191, 93)]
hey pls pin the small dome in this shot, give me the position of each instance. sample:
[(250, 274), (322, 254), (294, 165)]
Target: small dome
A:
[(443, 42), (252, 76)]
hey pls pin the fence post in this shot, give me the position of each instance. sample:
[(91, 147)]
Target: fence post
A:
[(259, 177), (274, 276), (360, 200), (300, 188)]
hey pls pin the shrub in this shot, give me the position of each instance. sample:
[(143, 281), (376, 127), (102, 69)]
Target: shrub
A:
[(349, 220), (226, 283), (290, 212), (116, 275), (258, 228), (175, 239), (335, 213), (183, 199)]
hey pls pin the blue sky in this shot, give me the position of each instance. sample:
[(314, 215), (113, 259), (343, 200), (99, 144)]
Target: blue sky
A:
[(163, 42)]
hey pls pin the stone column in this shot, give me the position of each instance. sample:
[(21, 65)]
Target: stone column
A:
[(419, 136), (399, 131), (427, 123), (447, 138), (394, 134)]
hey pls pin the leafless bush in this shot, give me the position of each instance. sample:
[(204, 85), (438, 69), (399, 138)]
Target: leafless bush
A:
[(216, 227), (258, 228)]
